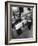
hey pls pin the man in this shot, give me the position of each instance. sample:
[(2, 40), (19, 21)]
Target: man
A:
[(17, 19)]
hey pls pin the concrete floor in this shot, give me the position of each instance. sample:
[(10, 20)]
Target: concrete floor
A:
[(25, 34)]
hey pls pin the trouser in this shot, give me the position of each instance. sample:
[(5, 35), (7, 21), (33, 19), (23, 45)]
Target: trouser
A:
[(19, 31), (29, 25)]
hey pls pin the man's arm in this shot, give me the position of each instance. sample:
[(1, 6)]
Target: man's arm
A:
[(19, 25)]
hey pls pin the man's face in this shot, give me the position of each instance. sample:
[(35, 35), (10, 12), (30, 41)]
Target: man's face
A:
[(17, 13)]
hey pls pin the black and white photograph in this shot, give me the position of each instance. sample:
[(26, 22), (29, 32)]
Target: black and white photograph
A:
[(20, 22)]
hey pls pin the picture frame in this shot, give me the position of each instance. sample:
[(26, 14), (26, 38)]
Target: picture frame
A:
[(13, 37)]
